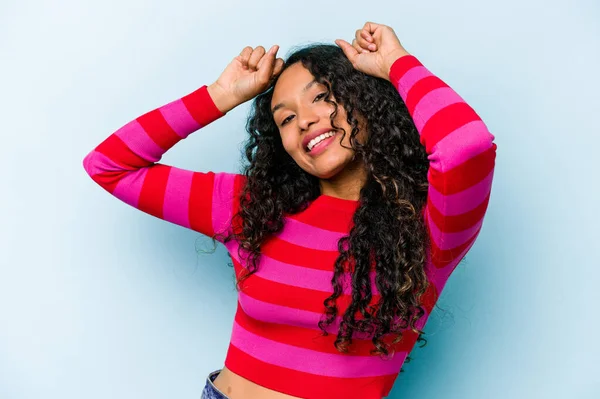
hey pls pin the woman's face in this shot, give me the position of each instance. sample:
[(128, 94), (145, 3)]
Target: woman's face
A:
[(302, 115)]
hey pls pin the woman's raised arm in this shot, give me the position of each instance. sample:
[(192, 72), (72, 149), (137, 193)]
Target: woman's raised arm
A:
[(126, 163), (460, 148)]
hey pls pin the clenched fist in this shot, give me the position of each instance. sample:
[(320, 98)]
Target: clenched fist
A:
[(373, 50), (246, 76)]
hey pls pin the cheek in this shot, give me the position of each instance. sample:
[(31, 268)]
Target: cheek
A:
[(289, 144)]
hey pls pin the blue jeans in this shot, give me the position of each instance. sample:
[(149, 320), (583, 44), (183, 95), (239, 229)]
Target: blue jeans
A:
[(210, 391)]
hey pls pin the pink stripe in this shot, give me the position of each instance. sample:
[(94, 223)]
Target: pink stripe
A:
[(461, 145), (464, 201), (135, 137), (129, 187), (177, 197), (96, 162), (432, 102), (179, 118), (411, 77), (271, 313), (439, 277), (310, 361), (308, 236), (298, 276), (448, 241), (222, 201)]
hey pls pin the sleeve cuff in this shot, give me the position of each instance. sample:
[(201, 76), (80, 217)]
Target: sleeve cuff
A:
[(201, 106), (401, 66)]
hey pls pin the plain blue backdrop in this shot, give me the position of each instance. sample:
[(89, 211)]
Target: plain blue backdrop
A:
[(98, 300)]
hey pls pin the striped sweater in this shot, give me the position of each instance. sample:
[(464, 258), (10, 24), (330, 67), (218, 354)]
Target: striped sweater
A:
[(275, 341)]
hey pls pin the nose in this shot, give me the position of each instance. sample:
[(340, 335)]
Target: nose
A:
[(306, 117)]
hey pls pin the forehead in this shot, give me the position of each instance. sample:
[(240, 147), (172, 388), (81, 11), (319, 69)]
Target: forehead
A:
[(292, 81)]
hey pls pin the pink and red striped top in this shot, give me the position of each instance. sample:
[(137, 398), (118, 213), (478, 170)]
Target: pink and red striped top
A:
[(275, 341)]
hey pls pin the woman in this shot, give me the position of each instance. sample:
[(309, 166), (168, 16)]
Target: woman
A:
[(367, 182)]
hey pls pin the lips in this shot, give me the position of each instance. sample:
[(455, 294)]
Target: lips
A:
[(309, 136)]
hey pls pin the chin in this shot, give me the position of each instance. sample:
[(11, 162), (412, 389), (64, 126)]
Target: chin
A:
[(327, 168)]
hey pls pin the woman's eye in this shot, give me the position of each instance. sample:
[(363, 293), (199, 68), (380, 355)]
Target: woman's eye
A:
[(289, 118), (320, 96)]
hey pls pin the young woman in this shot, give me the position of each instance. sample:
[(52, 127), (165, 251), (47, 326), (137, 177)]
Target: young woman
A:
[(366, 184)]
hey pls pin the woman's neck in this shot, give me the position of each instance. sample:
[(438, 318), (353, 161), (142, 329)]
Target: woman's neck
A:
[(346, 184)]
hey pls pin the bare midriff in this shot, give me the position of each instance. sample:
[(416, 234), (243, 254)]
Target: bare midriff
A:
[(235, 386)]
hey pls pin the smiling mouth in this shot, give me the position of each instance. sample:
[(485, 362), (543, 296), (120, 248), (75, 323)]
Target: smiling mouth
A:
[(335, 132)]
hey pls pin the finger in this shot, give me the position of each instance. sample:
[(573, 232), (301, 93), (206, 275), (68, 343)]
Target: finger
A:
[(357, 47), (271, 54), (350, 52), (278, 66), (369, 40), (257, 54), (363, 42), (371, 27), (245, 55), (265, 69), (366, 35), (264, 57), (361, 36)]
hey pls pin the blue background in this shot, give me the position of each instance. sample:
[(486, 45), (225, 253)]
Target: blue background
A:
[(99, 300)]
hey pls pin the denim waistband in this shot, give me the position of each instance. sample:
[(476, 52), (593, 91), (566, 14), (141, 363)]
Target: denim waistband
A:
[(210, 391)]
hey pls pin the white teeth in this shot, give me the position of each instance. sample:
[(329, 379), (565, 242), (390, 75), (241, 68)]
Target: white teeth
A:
[(318, 139)]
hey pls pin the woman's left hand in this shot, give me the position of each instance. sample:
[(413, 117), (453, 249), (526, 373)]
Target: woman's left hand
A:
[(373, 50)]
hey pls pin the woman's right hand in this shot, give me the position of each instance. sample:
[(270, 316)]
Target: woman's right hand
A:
[(246, 76)]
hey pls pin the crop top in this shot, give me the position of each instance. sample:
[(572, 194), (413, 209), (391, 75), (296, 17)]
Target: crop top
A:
[(275, 340)]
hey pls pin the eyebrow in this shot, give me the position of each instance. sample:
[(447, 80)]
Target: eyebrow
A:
[(308, 86)]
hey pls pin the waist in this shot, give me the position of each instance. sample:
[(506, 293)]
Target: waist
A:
[(235, 386), (306, 380)]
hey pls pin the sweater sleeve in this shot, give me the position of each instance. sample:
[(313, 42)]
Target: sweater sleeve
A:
[(125, 165), (461, 155)]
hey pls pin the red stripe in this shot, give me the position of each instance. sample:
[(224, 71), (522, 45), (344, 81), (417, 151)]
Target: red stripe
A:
[(153, 191), (158, 129), (336, 220), (306, 385), (442, 258), (420, 89), (313, 339), (200, 205), (291, 296), (115, 149), (108, 180), (201, 106), (401, 66), (465, 175), (458, 223), (287, 252), (446, 121)]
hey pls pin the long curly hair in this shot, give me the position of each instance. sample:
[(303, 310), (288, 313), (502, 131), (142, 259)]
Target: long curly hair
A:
[(388, 224)]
